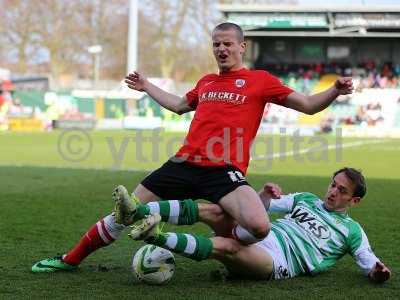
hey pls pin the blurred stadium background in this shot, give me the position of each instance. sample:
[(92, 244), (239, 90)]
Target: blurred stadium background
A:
[(307, 46)]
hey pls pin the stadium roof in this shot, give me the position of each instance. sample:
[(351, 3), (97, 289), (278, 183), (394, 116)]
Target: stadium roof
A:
[(308, 8), (321, 21)]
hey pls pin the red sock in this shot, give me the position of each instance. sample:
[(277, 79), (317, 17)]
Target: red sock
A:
[(95, 238)]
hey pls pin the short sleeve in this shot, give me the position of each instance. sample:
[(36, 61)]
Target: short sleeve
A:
[(274, 90), (193, 96)]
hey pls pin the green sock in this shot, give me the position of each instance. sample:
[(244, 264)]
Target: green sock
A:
[(188, 213), (195, 247), (184, 212), (142, 210)]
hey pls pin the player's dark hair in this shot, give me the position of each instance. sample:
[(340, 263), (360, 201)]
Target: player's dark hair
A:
[(357, 178), (227, 26)]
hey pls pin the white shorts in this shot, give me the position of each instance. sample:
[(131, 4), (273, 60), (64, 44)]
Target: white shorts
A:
[(271, 245)]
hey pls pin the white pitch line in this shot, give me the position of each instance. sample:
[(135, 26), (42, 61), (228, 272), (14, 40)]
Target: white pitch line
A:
[(77, 168), (312, 149), (260, 157)]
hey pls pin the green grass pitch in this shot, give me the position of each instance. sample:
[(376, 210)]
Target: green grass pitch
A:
[(48, 202)]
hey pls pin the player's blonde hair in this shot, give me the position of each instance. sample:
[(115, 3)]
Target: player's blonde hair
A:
[(227, 26)]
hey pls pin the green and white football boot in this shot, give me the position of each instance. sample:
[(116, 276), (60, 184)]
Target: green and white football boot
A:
[(148, 228), (53, 264), (125, 206)]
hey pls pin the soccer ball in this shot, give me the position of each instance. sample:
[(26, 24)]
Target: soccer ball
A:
[(153, 265)]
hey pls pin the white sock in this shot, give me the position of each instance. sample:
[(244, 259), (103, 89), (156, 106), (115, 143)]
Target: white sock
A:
[(244, 236), (114, 229), (171, 208)]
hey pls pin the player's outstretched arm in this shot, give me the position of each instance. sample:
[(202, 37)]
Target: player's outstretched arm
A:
[(318, 102), (379, 273), (137, 81)]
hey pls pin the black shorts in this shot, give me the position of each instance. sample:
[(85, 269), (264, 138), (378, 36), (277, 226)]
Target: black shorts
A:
[(182, 180)]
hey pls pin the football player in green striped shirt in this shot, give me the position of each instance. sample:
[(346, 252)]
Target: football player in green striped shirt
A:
[(311, 238)]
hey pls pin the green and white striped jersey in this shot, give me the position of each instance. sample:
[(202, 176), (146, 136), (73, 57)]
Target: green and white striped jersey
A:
[(313, 239)]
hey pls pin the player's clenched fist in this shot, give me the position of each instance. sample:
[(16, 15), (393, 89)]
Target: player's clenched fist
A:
[(344, 85), (272, 190), (136, 81)]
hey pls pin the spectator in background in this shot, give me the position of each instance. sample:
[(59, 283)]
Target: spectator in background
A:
[(3, 112), (397, 70), (360, 117), (117, 111), (374, 114), (16, 108), (7, 89), (2, 100), (392, 81), (326, 125)]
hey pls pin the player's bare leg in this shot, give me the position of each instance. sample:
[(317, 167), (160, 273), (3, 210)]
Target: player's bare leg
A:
[(145, 195), (242, 261), (248, 261), (210, 214), (245, 207), (215, 217), (242, 206)]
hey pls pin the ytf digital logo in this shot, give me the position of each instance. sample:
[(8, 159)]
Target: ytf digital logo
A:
[(311, 224)]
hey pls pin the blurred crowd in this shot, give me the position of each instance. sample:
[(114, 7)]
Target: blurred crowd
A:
[(369, 114), (303, 78), (8, 105), (366, 75), (344, 111), (12, 108)]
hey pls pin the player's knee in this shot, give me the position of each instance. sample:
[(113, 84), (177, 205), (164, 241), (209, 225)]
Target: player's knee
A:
[(260, 229), (144, 195)]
